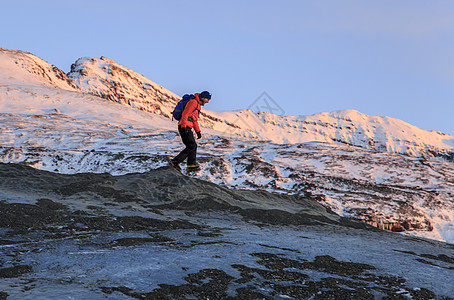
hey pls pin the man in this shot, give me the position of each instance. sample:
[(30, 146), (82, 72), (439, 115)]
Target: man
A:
[(187, 123)]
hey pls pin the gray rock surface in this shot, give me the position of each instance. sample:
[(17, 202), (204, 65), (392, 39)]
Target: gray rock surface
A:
[(164, 235)]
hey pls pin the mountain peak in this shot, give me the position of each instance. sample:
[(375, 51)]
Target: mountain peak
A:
[(106, 59), (23, 68), (105, 78)]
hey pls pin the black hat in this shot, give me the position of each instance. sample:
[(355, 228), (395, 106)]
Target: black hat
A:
[(205, 94)]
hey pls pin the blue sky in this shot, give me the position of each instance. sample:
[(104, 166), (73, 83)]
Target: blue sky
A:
[(393, 58)]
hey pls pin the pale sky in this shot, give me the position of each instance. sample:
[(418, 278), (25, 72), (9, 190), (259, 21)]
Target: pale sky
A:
[(393, 58)]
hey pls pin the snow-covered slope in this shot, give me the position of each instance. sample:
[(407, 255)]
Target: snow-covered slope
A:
[(109, 80), (68, 131), (23, 68)]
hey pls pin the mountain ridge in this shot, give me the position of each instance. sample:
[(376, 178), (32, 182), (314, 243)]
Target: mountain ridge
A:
[(117, 83)]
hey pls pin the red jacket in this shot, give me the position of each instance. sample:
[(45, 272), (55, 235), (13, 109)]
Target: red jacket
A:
[(191, 114)]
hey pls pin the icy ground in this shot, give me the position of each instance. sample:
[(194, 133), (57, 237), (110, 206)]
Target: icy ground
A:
[(103, 237)]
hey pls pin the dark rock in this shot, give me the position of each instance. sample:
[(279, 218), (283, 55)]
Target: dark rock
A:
[(139, 241), (15, 271)]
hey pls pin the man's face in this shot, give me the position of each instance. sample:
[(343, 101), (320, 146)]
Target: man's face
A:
[(205, 100)]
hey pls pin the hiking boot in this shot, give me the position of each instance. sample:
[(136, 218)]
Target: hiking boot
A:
[(175, 165), (192, 168)]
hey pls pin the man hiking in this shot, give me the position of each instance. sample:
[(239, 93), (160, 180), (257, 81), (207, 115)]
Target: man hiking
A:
[(187, 123)]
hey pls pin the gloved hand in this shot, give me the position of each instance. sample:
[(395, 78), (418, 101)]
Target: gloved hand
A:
[(199, 135)]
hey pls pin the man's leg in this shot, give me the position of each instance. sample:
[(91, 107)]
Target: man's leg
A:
[(191, 147)]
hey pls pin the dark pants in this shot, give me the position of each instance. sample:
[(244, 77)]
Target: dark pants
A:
[(190, 152)]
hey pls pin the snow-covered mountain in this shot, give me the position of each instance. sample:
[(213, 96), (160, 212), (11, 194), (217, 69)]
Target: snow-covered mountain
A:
[(349, 161), (109, 80)]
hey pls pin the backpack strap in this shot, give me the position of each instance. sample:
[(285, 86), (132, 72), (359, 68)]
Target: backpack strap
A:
[(196, 97)]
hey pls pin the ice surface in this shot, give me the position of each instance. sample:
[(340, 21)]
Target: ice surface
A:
[(79, 266)]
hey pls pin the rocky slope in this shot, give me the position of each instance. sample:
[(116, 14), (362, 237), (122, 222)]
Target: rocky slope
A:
[(163, 235), (391, 192)]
